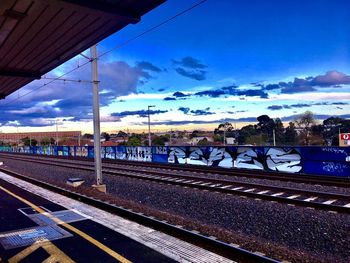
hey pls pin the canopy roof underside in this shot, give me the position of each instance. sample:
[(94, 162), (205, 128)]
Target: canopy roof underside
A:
[(36, 36)]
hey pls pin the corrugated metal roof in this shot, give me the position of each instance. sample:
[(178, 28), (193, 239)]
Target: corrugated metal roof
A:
[(36, 36)]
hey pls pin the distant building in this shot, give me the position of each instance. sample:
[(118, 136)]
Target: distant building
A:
[(16, 137), (230, 140)]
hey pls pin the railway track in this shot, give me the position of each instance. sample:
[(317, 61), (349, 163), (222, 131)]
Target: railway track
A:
[(307, 198), (240, 172), (231, 251)]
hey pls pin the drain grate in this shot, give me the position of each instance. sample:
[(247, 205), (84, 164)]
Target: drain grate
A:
[(66, 216), (28, 236)]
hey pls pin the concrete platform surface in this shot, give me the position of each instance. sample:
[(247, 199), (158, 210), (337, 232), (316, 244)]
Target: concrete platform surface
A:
[(38, 225)]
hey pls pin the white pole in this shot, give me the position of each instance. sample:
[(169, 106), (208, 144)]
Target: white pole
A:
[(149, 126), (56, 133), (224, 135), (171, 133), (149, 129), (274, 137), (96, 113)]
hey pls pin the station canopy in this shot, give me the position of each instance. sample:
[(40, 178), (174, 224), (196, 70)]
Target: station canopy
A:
[(36, 36)]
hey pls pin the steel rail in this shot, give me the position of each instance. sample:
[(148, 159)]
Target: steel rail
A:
[(225, 186), (228, 250), (250, 173)]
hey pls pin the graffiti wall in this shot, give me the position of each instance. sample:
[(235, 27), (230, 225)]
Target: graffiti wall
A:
[(307, 160)]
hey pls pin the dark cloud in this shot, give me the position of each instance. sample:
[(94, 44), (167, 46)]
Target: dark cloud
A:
[(317, 116), (245, 119), (304, 105), (299, 105), (233, 91), (169, 98), (148, 66), (271, 86), (275, 107), (140, 113), (332, 79), (184, 122), (340, 103), (191, 68), (190, 62), (193, 74), (211, 93), (188, 111), (202, 112), (253, 93), (179, 94), (70, 100), (184, 110), (234, 112), (161, 90)]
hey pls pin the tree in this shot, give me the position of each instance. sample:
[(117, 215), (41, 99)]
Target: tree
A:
[(224, 127), (160, 140), (29, 142), (47, 141), (194, 134), (265, 126), (227, 126), (106, 136), (122, 134), (331, 128), (279, 132), (217, 138), (290, 134), (245, 133), (304, 122), (203, 142), (134, 141), (88, 136)]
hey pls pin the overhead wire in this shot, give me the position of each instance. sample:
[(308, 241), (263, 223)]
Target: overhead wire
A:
[(111, 50)]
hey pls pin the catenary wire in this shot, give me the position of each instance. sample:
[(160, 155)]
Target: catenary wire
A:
[(110, 50)]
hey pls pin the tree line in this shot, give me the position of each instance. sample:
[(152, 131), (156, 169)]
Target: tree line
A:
[(304, 130)]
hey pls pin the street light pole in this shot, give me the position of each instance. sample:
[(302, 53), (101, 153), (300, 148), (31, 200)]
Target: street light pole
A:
[(149, 126)]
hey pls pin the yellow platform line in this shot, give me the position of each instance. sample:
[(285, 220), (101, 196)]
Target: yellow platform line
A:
[(98, 244)]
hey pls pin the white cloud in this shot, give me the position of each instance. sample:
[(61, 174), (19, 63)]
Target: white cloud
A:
[(141, 96)]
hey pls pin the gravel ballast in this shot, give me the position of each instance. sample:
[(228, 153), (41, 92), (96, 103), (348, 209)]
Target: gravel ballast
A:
[(283, 231)]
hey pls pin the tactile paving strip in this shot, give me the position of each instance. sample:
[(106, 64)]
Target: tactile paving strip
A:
[(28, 236), (30, 211), (66, 216)]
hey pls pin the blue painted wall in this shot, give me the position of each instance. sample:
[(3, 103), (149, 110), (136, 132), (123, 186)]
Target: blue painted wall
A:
[(308, 160)]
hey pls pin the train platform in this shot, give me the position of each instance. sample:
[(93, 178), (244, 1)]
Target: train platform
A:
[(37, 225)]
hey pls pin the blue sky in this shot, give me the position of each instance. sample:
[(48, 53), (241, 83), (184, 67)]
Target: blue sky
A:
[(223, 60)]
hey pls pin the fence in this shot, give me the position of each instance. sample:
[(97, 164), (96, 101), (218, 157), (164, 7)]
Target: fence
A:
[(307, 160)]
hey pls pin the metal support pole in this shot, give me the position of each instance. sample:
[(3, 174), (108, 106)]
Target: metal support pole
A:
[(56, 133), (224, 135), (149, 126), (96, 113), (274, 137), (17, 136)]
